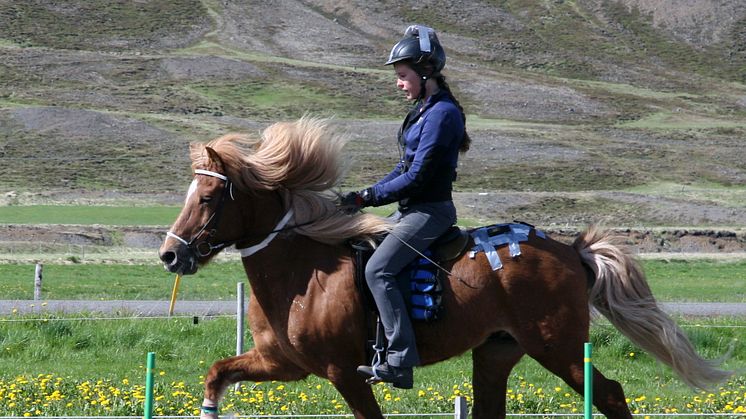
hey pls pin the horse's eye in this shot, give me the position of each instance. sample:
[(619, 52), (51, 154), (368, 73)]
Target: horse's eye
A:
[(205, 199)]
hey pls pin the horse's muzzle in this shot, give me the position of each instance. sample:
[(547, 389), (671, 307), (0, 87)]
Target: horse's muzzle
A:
[(178, 259)]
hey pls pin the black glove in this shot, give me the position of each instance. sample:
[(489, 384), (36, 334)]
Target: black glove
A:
[(351, 202)]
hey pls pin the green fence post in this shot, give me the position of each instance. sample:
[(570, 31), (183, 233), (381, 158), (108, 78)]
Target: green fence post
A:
[(149, 386), (588, 381)]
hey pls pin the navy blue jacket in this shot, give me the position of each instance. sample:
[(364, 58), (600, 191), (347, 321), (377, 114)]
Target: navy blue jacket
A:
[(432, 137)]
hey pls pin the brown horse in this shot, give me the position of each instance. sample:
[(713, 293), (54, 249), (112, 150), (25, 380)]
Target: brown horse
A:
[(272, 198)]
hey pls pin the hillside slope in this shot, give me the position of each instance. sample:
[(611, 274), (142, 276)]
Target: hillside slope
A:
[(628, 111)]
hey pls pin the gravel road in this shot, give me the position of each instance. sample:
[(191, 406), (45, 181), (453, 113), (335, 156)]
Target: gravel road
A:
[(213, 308)]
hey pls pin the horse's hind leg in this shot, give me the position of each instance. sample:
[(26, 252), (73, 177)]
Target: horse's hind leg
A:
[(251, 366), (492, 362), (564, 357)]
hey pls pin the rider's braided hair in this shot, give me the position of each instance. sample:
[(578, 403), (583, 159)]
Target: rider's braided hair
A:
[(466, 143)]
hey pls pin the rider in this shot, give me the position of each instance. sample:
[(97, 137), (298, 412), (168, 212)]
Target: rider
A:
[(430, 139)]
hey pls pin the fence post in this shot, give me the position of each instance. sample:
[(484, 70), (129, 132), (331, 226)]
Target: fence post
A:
[(37, 282), (461, 410), (174, 293), (588, 381), (239, 322), (148, 414)]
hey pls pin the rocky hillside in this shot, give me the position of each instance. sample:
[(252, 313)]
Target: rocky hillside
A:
[(632, 112)]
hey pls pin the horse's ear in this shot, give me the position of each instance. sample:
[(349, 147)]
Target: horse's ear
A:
[(213, 157), (195, 150)]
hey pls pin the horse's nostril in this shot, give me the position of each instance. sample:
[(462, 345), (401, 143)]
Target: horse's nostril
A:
[(168, 257)]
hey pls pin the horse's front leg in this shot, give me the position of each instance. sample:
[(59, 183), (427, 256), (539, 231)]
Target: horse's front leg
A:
[(251, 366), (358, 395)]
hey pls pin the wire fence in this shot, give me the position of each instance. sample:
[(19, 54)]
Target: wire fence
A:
[(117, 318), (221, 315), (402, 415)]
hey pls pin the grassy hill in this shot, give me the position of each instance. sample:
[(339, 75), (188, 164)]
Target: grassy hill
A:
[(631, 112)]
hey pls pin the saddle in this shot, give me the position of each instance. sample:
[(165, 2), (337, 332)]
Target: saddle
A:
[(425, 278)]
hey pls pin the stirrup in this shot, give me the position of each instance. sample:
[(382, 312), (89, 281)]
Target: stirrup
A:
[(379, 347)]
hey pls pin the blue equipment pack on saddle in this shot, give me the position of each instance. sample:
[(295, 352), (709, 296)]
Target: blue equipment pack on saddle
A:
[(423, 293), (425, 280)]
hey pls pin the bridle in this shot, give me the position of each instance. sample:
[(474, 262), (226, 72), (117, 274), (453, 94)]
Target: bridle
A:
[(202, 246)]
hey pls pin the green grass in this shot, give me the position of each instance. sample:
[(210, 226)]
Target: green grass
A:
[(279, 101), (696, 280), (681, 121), (98, 366), (599, 174), (88, 214), (217, 281), (107, 215), (727, 196), (289, 98)]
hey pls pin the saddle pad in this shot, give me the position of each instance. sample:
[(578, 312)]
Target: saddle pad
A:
[(487, 239)]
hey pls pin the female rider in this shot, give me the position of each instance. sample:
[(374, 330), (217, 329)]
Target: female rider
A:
[(430, 139)]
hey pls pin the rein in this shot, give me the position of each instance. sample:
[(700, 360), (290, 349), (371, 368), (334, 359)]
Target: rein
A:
[(436, 264), (205, 248)]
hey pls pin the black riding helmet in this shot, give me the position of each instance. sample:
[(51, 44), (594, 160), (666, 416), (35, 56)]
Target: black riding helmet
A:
[(420, 46)]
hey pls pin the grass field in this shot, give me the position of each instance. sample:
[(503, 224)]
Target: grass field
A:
[(694, 280), (130, 215), (63, 366), (78, 365), (87, 215)]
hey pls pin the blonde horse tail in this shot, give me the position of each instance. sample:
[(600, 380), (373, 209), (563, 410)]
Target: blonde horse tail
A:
[(621, 293)]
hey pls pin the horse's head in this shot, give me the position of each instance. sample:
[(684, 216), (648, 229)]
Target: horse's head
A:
[(282, 183), (196, 235)]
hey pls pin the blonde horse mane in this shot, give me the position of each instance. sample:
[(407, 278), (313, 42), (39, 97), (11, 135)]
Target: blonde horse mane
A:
[(302, 160)]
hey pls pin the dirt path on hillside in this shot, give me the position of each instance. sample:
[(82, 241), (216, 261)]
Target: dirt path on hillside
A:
[(55, 239)]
